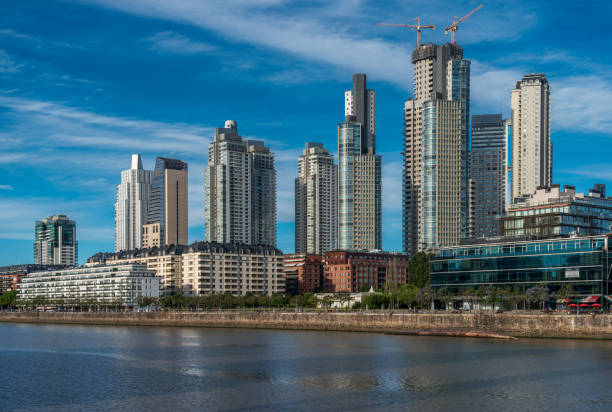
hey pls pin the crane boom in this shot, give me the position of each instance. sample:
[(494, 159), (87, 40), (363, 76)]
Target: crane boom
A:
[(453, 27), (417, 26)]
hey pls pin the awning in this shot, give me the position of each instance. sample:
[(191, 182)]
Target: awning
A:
[(608, 298), (593, 299)]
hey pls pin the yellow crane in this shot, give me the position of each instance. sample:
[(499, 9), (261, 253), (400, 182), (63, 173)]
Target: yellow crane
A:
[(453, 27), (417, 26)]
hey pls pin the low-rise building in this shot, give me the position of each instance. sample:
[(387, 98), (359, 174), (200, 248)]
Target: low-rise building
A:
[(166, 261), (109, 284), (584, 263), (552, 212), (210, 267), (304, 273), (350, 270), (11, 275)]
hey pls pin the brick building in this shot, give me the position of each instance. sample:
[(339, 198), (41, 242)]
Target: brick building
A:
[(303, 273), (350, 270)]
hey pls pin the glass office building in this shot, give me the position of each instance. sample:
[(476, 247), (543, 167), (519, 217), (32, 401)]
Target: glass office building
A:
[(582, 262), (554, 212)]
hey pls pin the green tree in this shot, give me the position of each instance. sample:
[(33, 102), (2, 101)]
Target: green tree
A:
[(564, 293), (445, 296), (8, 299), (469, 293), (376, 301), (418, 270), (364, 288), (343, 296), (405, 295), (425, 297)]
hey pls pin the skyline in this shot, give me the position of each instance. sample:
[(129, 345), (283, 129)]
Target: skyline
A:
[(74, 106)]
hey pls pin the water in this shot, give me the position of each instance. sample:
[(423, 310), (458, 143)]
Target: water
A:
[(140, 368)]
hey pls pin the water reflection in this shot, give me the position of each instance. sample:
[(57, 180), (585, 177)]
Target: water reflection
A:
[(107, 368)]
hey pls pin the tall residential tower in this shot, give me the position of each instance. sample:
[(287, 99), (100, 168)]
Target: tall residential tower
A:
[(132, 205), (436, 143), (531, 145), (316, 201), (359, 171), (167, 219), (55, 241), (240, 190)]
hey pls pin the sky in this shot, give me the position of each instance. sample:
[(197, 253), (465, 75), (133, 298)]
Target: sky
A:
[(86, 83)]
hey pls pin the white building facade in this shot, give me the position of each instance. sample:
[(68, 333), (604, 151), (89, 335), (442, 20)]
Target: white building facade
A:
[(316, 201), (359, 171), (112, 284), (131, 205), (240, 190), (210, 267), (531, 144)]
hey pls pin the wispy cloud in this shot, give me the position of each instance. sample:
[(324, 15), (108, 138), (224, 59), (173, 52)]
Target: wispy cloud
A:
[(6, 187), (171, 42), (7, 64)]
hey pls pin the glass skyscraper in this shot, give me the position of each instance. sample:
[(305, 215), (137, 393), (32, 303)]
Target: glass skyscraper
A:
[(488, 159), (440, 75), (55, 241)]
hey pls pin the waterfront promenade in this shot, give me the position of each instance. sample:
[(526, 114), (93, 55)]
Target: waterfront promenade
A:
[(590, 326)]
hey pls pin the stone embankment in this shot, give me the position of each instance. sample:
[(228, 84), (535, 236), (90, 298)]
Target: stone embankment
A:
[(442, 324)]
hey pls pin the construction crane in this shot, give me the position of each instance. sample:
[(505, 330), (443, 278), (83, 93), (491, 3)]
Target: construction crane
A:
[(453, 27), (417, 26)]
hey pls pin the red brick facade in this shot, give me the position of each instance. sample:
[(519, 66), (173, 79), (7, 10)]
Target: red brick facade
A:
[(348, 271), (307, 269)]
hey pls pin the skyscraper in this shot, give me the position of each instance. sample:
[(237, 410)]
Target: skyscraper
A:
[(488, 159), (440, 75), (531, 145), (263, 196), (240, 190), (167, 219), (316, 201), (359, 171), (55, 241), (132, 205)]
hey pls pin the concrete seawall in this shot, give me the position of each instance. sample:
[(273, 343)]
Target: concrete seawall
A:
[(522, 325)]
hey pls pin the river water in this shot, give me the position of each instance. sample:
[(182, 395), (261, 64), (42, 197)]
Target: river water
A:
[(140, 368)]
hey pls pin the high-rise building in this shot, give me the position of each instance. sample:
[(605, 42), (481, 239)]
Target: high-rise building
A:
[(359, 171), (441, 74), (55, 241), (531, 145), (240, 190), (167, 219), (316, 201), (488, 159), (263, 194), (132, 205), (441, 189)]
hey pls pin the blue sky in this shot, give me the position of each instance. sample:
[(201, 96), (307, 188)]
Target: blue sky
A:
[(83, 84)]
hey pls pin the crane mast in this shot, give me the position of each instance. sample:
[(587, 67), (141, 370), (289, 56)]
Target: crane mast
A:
[(453, 27)]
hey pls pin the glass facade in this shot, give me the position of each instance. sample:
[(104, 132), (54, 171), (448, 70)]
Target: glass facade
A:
[(349, 146), (587, 216), (582, 262)]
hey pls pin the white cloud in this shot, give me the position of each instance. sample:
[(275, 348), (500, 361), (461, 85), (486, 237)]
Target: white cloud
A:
[(300, 34), (581, 103), (6, 187), (171, 42), (7, 64)]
